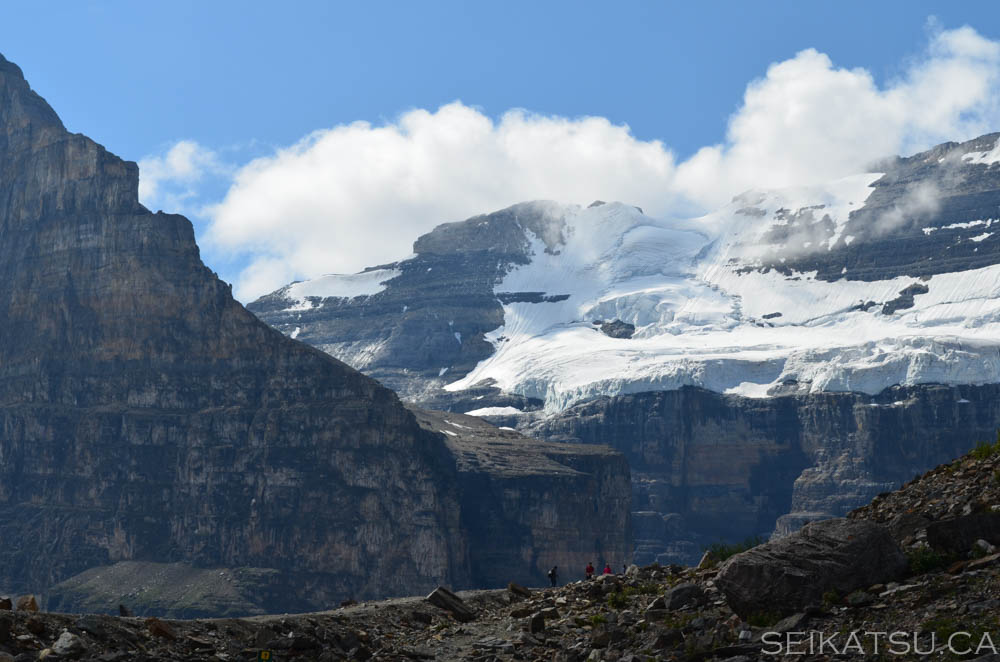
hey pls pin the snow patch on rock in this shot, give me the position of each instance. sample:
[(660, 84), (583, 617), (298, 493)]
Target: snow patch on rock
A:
[(344, 286)]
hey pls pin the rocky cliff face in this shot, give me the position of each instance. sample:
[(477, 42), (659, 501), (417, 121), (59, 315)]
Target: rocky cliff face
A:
[(777, 361), (915, 574), (539, 504), (146, 415), (916, 221), (707, 466), (425, 327)]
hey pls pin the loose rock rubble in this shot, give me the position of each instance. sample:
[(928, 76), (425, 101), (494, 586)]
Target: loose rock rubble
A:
[(945, 606)]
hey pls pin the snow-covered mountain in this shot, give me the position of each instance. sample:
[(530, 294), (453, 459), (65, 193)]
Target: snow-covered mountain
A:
[(888, 279), (739, 301)]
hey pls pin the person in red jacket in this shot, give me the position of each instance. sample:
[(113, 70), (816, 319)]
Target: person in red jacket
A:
[(590, 570), (607, 568)]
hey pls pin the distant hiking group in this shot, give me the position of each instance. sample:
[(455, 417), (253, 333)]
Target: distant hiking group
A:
[(588, 572)]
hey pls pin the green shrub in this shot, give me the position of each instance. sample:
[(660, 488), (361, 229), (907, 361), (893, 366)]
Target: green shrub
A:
[(763, 619), (650, 588), (925, 559), (985, 450), (617, 600), (720, 551), (942, 627)]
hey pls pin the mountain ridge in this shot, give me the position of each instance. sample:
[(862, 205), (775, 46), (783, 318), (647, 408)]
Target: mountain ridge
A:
[(146, 416), (753, 321)]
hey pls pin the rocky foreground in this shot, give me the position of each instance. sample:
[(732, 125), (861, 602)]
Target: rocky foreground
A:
[(915, 575)]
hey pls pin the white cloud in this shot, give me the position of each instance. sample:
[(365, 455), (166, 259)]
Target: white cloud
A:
[(170, 181), (807, 121), (358, 195)]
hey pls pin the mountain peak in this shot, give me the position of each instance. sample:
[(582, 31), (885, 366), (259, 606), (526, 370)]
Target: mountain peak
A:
[(22, 110)]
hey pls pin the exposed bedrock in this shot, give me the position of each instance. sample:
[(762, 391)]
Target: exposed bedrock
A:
[(145, 415), (794, 572), (427, 327), (707, 466), (900, 238), (538, 504)]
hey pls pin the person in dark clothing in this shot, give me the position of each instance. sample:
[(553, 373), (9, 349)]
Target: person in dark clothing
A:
[(590, 570), (554, 574)]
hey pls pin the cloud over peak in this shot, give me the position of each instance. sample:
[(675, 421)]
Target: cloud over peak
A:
[(356, 195), (359, 194)]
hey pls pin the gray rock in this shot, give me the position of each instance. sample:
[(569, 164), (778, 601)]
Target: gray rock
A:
[(27, 603), (959, 534), (445, 599), (685, 595), (600, 638), (984, 547), (68, 645), (666, 640), (859, 599), (793, 623), (794, 572), (618, 329), (517, 590)]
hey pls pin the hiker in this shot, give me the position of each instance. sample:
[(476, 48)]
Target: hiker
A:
[(554, 574), (607, 568), (590, 570)]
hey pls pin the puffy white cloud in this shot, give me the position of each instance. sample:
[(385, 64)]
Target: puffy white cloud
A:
[(170, 181), (358, 195), (807, 121)]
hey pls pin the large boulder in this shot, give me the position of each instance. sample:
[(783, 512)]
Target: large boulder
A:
[(791, 573)]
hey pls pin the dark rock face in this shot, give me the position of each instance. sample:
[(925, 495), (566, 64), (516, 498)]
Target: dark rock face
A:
[(960, 534), (707, 466), (539, 504), (621, 614), (426, 327), (902, 228), (146, 415), (905, 298), (794, 572), (617, 329)]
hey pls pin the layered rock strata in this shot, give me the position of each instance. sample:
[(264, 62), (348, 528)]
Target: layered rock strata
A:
[(146, 415), (707, 466)]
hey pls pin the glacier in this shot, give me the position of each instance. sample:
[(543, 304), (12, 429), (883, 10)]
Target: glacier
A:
[(709, 312)]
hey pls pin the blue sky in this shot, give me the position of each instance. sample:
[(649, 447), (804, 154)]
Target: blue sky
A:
[(241, 80)]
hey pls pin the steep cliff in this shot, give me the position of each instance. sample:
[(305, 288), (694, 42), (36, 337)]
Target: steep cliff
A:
[(707, 466), (146, 415), (540, 504), (775, 361)]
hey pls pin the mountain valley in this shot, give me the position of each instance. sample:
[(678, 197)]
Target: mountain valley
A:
[(783, 359)]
